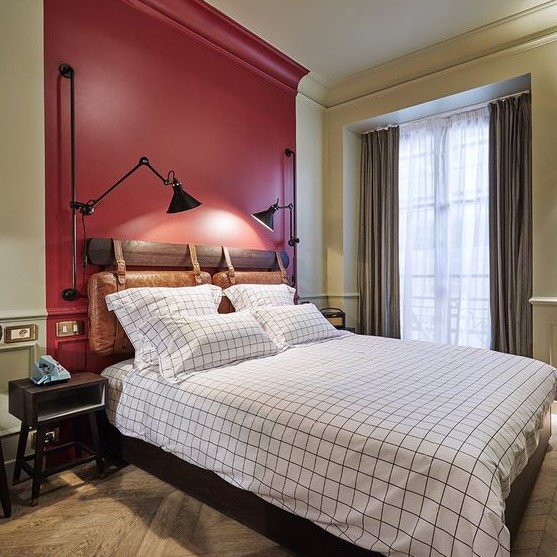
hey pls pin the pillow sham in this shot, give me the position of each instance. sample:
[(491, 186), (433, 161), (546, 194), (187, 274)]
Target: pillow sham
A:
[(247, 296), (291, 325), (135, 306), (183, 345)]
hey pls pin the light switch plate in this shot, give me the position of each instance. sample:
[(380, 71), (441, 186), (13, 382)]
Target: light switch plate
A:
[(69, 328)]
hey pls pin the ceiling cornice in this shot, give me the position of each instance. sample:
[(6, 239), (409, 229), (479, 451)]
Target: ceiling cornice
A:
[(527, 28), (204, 23)]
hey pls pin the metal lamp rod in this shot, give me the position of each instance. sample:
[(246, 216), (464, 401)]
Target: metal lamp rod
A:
[(67, 71), (294, 240), (89, 207)]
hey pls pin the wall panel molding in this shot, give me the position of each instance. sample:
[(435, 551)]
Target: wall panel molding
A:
[(553, 343), (15, 363), (19, 314), (347, 295)]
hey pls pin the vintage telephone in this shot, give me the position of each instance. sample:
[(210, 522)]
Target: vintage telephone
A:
[(48, 371)]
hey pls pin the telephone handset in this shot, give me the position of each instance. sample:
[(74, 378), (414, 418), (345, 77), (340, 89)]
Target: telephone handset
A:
[(48, 371)]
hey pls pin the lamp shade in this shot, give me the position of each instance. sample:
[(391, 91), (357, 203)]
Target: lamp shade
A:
[(181, 201), (267, 217)]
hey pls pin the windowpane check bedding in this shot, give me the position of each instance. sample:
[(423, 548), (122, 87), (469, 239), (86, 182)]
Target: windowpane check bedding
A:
[(401, 447)]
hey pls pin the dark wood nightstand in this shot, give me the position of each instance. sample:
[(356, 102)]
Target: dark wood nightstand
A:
[(41, 406)]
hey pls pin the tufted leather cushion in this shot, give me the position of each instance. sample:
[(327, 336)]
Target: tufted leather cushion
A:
[(103, 325), (244, 277)]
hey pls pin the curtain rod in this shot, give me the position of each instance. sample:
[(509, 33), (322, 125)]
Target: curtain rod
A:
[(450, 112), (468, 108)]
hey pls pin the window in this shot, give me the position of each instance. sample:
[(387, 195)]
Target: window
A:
[(444, 229)]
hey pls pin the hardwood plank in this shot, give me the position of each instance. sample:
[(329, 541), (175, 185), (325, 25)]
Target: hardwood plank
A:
[(128, 513)]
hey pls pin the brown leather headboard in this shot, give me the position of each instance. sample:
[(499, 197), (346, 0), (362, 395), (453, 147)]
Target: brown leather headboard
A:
[(106, 336)]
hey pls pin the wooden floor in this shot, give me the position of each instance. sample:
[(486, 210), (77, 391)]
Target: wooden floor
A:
[(129, 513)]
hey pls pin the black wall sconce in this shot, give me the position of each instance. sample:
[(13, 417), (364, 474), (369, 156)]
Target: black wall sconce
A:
[(181, 201), (266, 217)]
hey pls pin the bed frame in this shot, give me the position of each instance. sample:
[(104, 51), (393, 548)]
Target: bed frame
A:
[(291, 531), (288, 530)]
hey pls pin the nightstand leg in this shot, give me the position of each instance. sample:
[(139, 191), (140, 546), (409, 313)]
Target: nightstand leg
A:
[(96, 442), (77, 437), (21, 444), (4, 492), (38, 468)]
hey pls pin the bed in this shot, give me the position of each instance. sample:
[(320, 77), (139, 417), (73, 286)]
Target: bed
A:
[(344, 445)]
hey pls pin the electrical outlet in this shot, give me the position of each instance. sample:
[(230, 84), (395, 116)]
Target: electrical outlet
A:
[(21, 333), (69, 328), (50, 438)]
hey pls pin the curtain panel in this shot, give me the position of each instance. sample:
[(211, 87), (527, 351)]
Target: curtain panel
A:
[(510, 222), (444, 222), (378, 251)]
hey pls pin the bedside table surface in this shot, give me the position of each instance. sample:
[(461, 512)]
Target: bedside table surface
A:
[(75, 381), (31, 403)]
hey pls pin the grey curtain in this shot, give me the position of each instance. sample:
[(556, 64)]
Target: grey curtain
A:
[(378, 268), (510, 224)]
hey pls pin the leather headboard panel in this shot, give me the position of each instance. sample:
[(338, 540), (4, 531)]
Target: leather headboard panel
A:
[(222, 279), (103, 324)]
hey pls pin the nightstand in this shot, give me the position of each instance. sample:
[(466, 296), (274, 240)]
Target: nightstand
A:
[(40, 406)]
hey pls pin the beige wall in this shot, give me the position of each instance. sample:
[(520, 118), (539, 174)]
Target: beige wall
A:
[(536, 58), (21, 157), (310, 149), (22, 296)]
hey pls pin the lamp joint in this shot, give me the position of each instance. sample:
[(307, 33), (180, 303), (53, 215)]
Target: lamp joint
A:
[(70, 294), (66, 70), (83, 208)]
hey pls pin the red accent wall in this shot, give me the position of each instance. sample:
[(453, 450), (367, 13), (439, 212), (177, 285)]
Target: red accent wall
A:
[(147, 84)]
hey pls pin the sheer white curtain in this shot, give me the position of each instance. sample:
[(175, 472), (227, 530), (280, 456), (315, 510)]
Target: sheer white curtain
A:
[(444, 229)]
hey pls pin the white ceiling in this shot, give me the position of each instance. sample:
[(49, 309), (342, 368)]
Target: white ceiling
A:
[(338, 39)]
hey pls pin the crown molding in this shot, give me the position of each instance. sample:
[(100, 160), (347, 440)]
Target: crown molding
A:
[(313, 89), (527, 28), (207, 25)]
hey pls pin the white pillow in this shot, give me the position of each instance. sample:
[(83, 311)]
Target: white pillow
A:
[(135, 306), (247, 296), (291, 325), (183, 345)]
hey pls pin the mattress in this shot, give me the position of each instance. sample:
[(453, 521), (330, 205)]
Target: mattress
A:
[(115, 375), (401, 447)]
